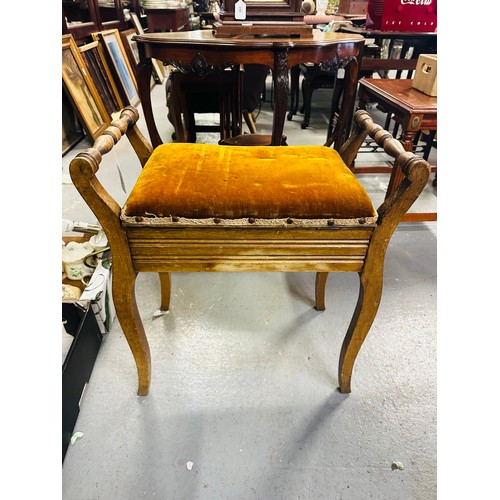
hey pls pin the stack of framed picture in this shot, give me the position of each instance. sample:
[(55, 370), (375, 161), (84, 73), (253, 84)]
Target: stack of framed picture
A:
[(117, 66), (82, 91), (99, 79)]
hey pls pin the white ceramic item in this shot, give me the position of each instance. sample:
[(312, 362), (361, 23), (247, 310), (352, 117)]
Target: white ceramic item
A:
[(73, 256)]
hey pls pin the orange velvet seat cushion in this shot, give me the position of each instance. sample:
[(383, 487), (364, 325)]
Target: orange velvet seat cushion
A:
[(230, 182)]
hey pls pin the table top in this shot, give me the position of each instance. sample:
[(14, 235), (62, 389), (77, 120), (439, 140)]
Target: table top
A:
[(400, 92), (204, 38), (160, 10), (368, 33)]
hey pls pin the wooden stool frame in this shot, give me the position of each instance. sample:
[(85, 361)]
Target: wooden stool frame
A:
[(358, 247)]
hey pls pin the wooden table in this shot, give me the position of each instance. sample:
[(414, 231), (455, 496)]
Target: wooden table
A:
[(202, 53), (412, 110), (422, 43)]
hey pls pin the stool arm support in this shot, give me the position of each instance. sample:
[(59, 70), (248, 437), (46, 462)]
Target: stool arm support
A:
[(390, 213), (142, 147), (84, 166), (415, 169), (364, 125), (371, 277), (82, 170), (350, 148)]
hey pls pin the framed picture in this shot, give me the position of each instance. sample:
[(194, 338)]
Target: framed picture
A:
[(99, 75), (72, 130), (81, 89), (136, 23), (119, 64), (158, 74), (131, 48)]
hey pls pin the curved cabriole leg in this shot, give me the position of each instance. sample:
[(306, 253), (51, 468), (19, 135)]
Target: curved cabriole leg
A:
[(131, 323), (370, 292), (165, 285), (320, 291)]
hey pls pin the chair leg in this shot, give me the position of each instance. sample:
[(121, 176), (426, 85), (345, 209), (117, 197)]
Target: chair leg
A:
[(130, 321), (370, 292), (165, 285), (428, 144), (320, 290), (174, 104), (307, 92), (294, 91), (250, 121), (190, 126)]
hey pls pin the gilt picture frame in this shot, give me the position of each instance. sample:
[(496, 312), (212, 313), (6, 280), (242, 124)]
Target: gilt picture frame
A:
[(72, 129), (119, 64), (98, 73), (131, 48), (82, 90)]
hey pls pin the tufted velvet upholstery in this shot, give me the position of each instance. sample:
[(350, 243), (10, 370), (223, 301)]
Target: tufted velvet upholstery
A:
[(230, 182)]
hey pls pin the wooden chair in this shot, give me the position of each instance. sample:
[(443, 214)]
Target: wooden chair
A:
[(233, 94), (206, 207), (253, 85), (314, 78), (187, 95)]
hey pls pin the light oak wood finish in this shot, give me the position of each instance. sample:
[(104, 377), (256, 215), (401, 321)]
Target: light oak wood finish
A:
[(140, 247)]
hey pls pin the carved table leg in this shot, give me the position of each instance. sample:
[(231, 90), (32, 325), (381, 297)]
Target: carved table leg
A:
[(144, 71), (130, 321), (165, 285), (175, 107), (320, 290), (338, 88), (350, 88), (281, 84)]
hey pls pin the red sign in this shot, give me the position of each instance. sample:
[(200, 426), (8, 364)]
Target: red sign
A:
[(402, 15)]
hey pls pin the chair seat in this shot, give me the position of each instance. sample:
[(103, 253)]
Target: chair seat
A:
[(204, 181)]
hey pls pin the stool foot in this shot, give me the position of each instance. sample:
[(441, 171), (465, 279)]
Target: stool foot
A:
[(130, 321), (165, 285), (362, 319), (320, 291)]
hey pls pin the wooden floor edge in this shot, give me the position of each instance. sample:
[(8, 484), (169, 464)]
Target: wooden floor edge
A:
[(420, 217)]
